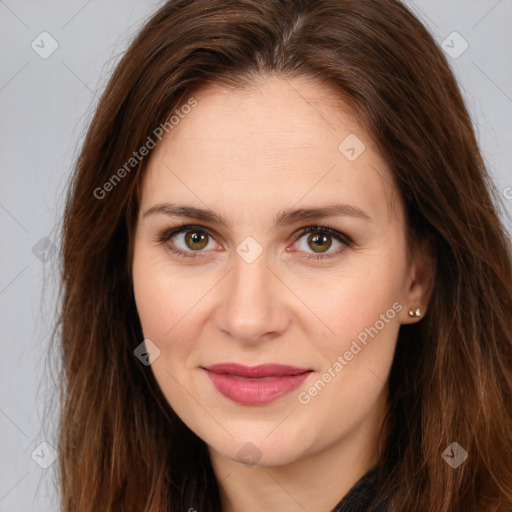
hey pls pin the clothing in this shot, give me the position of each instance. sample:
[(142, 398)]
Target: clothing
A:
[(361, 494)]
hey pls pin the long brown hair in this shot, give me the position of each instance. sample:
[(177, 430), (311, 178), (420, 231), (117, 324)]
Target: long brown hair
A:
[(121, 446)]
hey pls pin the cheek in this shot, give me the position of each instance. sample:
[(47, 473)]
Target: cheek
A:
[(165, 305), (171, 302), (357, 352), (163, 296), (363, 294)]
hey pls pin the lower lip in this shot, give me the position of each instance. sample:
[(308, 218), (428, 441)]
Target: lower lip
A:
[(255, 391)]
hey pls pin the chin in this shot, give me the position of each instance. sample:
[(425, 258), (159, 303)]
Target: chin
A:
[(261, 450)]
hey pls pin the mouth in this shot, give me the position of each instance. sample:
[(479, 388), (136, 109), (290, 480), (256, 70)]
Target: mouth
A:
[(256, 385)]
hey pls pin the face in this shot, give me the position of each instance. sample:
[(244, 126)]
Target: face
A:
[(250, 285)]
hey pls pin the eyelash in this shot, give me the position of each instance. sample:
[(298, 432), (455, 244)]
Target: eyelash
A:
[(164, 235)]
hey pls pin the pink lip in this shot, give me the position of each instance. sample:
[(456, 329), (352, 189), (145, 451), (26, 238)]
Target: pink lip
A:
[(256, 385)]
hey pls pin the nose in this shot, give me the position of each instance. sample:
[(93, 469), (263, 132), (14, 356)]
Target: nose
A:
[(253, 305)]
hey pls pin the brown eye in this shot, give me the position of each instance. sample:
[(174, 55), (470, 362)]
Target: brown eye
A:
[(320, 239), (188, 241), (319, 242), (196, 240)]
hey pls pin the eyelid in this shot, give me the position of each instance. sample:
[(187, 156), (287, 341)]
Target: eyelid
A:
[(166, 234)]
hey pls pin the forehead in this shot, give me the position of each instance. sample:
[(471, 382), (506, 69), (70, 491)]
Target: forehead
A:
[(272, 145)]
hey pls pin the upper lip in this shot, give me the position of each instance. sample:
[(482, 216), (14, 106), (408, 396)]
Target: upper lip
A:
[(260, 371)]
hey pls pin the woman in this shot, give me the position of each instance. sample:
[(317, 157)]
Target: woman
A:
[(285, 284)]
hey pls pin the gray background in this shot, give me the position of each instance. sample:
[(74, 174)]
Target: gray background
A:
[(45, 107)]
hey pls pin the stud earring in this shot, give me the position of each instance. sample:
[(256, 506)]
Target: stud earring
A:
[(415, 313)]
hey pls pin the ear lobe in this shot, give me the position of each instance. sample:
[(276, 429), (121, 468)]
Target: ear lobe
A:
[(421, 283)]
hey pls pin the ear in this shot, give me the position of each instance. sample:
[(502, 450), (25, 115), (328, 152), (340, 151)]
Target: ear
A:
[(420, 283)]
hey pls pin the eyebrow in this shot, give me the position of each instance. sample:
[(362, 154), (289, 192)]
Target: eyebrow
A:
[(283, 218)]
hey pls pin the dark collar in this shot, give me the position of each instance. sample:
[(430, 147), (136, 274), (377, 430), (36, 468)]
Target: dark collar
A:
[(359, 497)]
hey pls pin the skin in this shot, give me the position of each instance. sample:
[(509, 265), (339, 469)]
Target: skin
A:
[(246, 154)]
